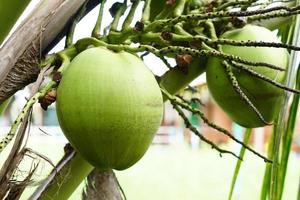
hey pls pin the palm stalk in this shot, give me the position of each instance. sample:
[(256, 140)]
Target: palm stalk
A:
[(246, 139), (288, 138), (10, 10), (279, 128), (267, 176), (4, 105), (67, 179), (298, 195)]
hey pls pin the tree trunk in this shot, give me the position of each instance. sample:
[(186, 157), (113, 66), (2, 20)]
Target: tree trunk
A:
[(96, 187)]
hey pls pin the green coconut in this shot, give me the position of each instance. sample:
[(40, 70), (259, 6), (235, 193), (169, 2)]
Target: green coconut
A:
[(109, 107), (265, 97)]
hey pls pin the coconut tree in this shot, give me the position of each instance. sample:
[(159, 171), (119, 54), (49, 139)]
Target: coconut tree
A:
[(246, 66)]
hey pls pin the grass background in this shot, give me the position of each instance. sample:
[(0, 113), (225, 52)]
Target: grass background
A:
[(177, 172)]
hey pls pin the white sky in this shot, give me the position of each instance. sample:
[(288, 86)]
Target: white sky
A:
[(85, 27)]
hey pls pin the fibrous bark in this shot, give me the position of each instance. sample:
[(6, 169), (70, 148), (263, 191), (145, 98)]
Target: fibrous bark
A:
[(20, 55), (96, 187)]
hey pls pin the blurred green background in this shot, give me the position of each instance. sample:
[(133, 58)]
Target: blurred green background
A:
[(177, 172)]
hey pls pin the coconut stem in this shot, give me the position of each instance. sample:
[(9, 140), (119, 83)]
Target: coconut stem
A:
[(179, 7), (70, 33), (130, 15), (118, 15), (146, 11), (97, 29)]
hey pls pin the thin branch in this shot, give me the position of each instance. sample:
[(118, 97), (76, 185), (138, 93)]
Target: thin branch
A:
[(194, 130), (278, 11), (185, 50), (239, 91), (192, 100), (165, 61), (273, 15), (213, 53), (265, 78), (255, 44), (248, 43), (212, 125)]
